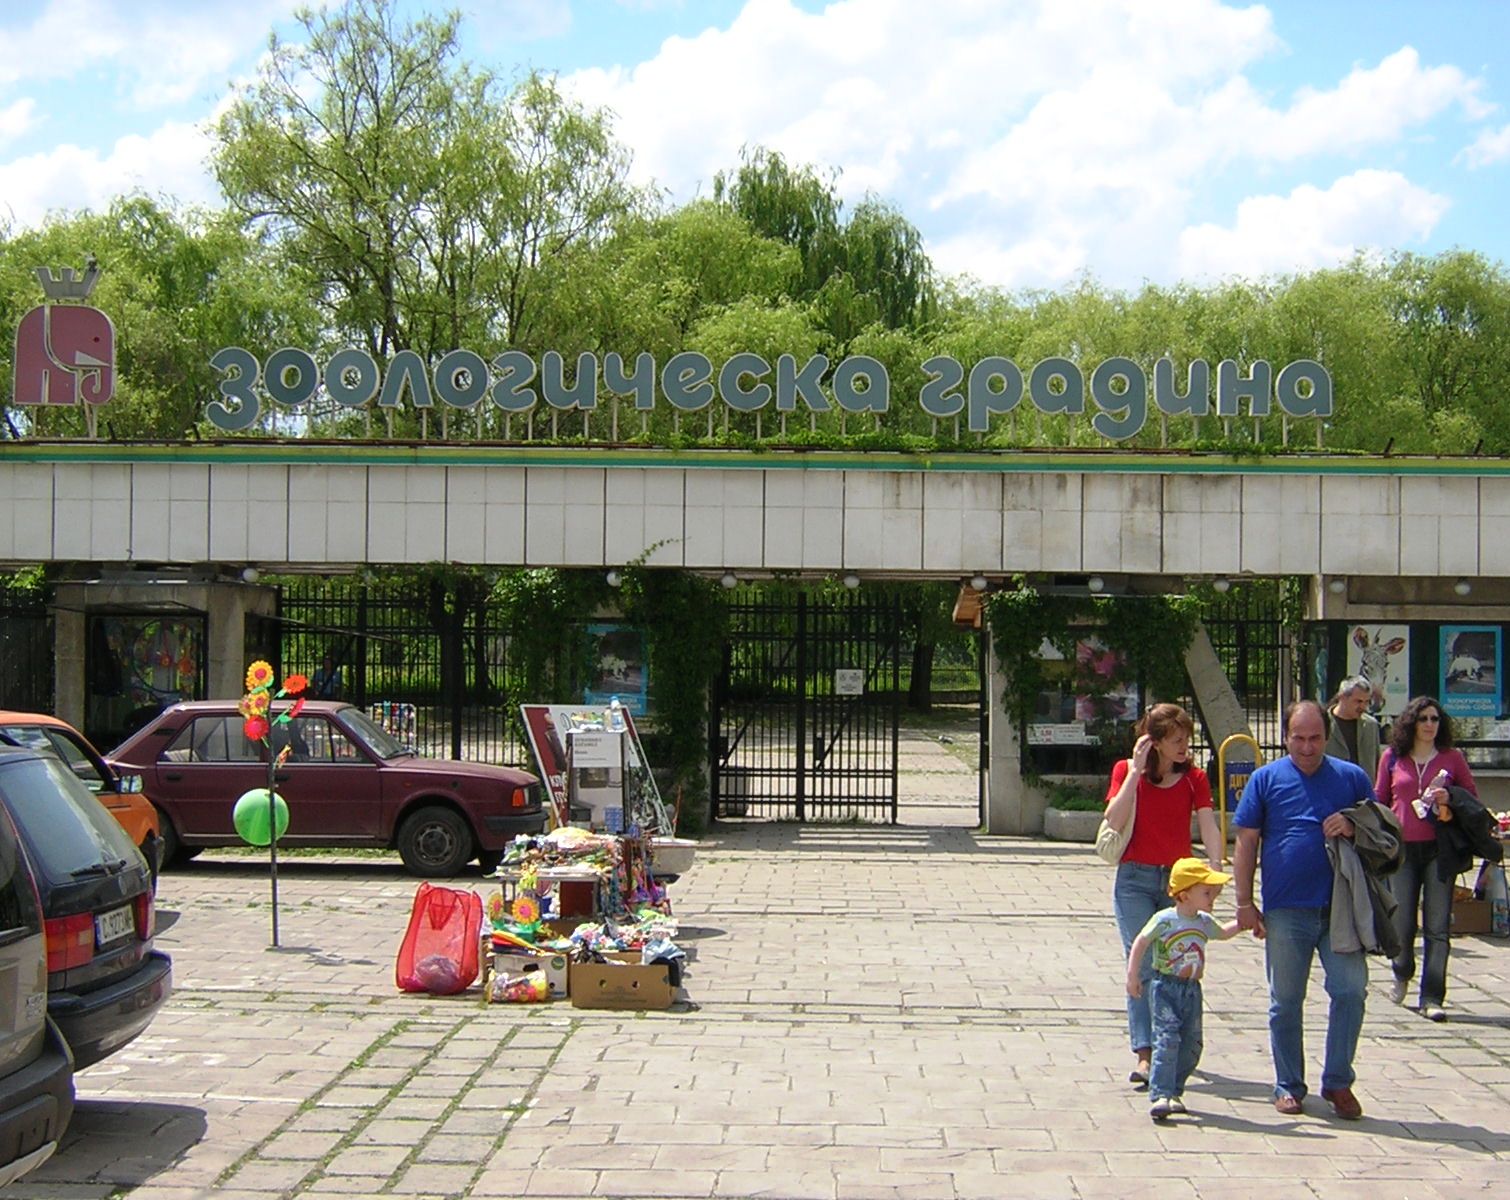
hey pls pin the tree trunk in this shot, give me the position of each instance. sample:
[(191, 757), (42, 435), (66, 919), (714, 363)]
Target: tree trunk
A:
[(920, 690)]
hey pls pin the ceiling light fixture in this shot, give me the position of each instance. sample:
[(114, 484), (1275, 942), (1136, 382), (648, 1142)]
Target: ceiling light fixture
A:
[(1222, 584), (1336, 586), (979, 582), (1095, 583), (851, 580), (615, 577), (729, 579), (249, 574), (1462, 587)]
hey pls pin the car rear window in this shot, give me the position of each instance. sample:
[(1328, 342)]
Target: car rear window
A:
[(19, 915), (212, 739), (66, 829)]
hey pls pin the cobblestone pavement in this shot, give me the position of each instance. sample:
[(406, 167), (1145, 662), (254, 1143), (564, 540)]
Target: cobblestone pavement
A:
[(874, 1012)]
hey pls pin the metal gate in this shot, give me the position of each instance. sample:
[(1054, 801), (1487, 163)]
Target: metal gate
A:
[(26, 656), (803, 724), (430, 652), (1248, 634)]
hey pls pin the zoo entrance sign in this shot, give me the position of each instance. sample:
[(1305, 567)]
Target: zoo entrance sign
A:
[(1120, 389)]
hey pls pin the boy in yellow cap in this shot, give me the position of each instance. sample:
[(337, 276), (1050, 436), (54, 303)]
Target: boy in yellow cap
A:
[(1178, 936)]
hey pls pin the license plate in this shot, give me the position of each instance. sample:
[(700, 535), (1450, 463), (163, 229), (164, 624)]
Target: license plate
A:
[(114, 925)]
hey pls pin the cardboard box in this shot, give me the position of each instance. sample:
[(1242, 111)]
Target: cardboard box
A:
[(1470, 916), (520, 962), (623, 985)]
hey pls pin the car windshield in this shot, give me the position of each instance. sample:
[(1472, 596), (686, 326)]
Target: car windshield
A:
[(68, 832), (379, 740)]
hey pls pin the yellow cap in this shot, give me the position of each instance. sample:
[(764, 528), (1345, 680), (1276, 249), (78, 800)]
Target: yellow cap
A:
[(1187, 872)]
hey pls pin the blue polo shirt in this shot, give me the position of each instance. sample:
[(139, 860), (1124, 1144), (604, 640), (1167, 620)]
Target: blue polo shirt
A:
[(1287, 807)]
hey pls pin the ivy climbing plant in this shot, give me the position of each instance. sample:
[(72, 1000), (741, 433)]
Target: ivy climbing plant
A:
[(1151, 632)]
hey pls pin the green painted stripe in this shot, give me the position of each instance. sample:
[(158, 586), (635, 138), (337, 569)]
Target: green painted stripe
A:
[(313, 454)]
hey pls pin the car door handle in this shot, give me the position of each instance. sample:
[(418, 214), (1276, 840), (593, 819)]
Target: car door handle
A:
[(173, 777), (281, 778)]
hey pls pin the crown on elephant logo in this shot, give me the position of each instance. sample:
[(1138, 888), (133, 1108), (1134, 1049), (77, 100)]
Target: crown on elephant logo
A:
[(65, 285)]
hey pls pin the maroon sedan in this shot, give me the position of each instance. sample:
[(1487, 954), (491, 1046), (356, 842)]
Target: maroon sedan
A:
[(347, 782)]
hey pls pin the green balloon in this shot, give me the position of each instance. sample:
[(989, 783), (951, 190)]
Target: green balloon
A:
[(250, 816)]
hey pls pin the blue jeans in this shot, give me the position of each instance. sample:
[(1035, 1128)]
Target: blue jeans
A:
[(1175, 1007), (1416, 885), (1295, 937), (1140, 891)]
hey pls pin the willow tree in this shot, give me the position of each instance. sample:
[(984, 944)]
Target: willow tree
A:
[(430, 208)]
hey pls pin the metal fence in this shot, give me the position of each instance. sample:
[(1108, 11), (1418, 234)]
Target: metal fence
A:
[(433, 655), (1247, 632), (804, 721), (26, 657)]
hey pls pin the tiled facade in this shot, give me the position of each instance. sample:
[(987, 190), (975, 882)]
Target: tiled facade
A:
[(895, 522)]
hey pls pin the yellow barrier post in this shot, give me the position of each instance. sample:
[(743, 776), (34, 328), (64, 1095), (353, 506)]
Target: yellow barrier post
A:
[(1231, 780)]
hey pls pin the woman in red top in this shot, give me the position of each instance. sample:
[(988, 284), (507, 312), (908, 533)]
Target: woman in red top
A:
[(1168, 789), (1420, 750)]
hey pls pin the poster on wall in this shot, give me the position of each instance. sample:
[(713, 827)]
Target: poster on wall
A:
[(617, 658), (1470, 670), (1381, 654), (1108, 694)]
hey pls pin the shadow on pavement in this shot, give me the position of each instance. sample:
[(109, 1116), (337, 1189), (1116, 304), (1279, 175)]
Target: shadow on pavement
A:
[(324, 867), (118, 1142)]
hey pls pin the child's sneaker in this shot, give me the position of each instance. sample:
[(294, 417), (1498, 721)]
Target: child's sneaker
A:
[(1160, 1109), (1176, 1105)]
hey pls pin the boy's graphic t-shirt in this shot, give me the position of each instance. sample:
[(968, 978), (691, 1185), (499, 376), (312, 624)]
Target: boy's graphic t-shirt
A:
[(1179, 943)]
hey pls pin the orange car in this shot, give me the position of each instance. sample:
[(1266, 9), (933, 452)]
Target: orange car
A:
[(121, 794)]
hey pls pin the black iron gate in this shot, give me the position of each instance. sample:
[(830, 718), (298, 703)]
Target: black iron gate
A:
[(434, 660), (803, 724), (1247, 632), (26, 656)]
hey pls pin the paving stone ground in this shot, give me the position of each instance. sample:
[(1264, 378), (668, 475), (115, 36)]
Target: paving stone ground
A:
[(912, 1011)]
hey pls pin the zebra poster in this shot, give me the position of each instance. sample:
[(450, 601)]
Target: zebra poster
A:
[(1381, 654), (1470, 658)]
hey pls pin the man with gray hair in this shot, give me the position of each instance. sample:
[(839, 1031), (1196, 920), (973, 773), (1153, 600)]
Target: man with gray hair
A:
[(1354, 735)]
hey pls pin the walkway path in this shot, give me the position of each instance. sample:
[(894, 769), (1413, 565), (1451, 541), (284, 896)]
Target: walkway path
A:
[(878, 1012)]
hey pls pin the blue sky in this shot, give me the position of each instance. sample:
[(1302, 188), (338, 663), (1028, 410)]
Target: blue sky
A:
[(1032, 141)]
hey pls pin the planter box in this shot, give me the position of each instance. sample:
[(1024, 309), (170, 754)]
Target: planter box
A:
[(1067, 825)]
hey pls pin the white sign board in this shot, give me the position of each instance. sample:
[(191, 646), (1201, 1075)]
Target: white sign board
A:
[(1061, 735), (596, 748), (849, 681)]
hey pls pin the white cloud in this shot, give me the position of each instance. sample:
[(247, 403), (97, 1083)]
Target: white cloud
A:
[(1041, 138), (1490, 147), (166, 51), (16, 119), (171, 161), (1312, 228)]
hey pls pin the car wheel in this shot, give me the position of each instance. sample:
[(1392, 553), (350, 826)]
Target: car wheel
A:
[(170, 847), (435, 841)]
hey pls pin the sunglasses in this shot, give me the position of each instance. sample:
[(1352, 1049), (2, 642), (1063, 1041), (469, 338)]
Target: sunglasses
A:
[(1429, 717)]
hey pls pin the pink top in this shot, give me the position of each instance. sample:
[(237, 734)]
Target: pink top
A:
[(1402, 780)]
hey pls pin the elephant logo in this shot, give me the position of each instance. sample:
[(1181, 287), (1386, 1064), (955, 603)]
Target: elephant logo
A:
[(65, 353)]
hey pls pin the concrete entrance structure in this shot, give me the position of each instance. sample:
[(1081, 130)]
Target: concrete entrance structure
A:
[(1397, 533)]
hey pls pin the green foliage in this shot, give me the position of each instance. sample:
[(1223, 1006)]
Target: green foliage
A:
[(1070, 797), (684, 618), (178, 287), (24, 587), (1152, 632)]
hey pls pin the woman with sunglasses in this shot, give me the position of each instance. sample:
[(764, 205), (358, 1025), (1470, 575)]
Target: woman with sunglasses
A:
[(1159, 788), (1413, 777)]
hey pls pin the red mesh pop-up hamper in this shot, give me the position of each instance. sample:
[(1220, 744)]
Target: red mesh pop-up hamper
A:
[(439, 951)]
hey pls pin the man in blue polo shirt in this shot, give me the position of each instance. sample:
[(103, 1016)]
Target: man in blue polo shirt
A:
[(1291, 807)]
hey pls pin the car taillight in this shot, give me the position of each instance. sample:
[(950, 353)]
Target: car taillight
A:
[(70, 942), (520, 798), (145, 916)]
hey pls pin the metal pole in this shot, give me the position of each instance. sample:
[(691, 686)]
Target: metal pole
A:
[(272, 830)]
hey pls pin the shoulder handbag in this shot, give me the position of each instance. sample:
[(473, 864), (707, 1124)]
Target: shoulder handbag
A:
[(1111, 843)]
